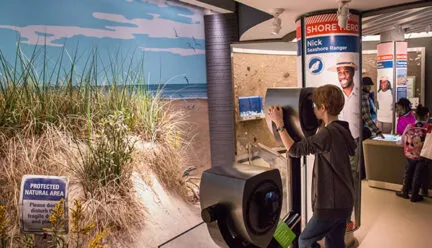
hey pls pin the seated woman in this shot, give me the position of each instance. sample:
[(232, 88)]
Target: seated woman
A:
[(405, 115)]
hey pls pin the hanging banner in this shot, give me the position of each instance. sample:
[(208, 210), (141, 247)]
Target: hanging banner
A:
[(385, 92), (401, 69), (333, 57)]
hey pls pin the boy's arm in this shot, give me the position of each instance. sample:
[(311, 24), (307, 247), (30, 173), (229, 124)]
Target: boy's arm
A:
[(275, 114), (320, 142), (286, 138), (317, 143)]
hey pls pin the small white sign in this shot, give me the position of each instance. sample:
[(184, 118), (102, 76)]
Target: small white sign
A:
[(39, 195)]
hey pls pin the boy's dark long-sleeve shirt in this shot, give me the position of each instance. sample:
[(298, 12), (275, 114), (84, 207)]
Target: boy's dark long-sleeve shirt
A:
[(332, 182)]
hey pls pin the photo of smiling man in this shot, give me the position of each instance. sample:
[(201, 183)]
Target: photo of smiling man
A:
[(346, 69)]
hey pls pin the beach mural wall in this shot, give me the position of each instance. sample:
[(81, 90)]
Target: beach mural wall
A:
[(95, 44), (163, 40)]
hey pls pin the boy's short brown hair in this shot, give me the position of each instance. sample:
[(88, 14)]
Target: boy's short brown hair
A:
[(331, 97)]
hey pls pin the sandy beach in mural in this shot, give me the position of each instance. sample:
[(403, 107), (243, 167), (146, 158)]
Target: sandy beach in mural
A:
[(168, 215), (196, 111)]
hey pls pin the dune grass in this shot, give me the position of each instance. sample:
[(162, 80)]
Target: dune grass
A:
[(54, 121)]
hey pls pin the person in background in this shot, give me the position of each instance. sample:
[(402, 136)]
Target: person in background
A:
[(332, 182), (372, 104), (369, 127), (367, 84), (385, 106), (412, 139), (405, 115), (366, 109)]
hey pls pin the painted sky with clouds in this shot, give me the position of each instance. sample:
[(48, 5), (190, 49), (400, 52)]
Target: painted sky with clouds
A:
[(169, 35)]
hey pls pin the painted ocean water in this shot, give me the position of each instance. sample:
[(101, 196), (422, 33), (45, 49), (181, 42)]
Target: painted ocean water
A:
[(175, 91), (181, 91)]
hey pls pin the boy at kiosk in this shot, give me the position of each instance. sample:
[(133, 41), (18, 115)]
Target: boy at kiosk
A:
[(332, 183)]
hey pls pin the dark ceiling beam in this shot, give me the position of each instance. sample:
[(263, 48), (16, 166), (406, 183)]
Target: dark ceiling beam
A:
[(218, 6), (223, 4), (396, 8), (250, 17), (289, 37), (286, 38), (258, 41)]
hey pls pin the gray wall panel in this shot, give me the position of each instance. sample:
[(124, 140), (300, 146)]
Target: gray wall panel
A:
[(220, 31)]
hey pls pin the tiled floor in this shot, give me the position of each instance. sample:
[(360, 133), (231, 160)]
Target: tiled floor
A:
[(390, 221), (387, 222)]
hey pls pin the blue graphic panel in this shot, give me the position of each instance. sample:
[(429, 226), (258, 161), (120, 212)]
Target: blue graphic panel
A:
[(44, 189), (316, 65), (251, 105), (330, 44), (401, 64), (385, 64), (401, 93)]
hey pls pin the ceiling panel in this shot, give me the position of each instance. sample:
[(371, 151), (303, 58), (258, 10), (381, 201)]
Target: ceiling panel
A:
[(413, 20), (296, 8), (389, 18)]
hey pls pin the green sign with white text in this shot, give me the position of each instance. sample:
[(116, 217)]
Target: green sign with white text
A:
[(284, 235)]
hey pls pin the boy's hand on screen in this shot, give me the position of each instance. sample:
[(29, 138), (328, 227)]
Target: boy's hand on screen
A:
[(276, 115)]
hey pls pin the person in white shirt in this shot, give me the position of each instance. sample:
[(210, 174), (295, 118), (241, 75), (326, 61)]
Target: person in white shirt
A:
[(385, 106)]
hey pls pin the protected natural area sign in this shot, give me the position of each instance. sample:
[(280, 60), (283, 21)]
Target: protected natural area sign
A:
[(39, 195)]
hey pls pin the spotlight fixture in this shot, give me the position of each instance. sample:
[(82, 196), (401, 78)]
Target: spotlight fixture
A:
[(276, 23), (343, 13)]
